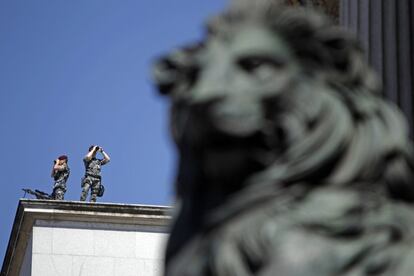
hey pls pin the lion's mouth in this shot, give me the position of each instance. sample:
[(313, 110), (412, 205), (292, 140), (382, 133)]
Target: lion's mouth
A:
[(254, 135)]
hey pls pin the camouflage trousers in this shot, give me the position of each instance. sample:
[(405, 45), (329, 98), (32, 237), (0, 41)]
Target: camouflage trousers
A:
[(59, 190), (90, 183)]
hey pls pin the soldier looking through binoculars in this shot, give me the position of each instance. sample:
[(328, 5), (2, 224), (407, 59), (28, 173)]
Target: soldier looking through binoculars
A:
[(92, 179), (60, 173)]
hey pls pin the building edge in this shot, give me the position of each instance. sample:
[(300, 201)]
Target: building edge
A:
[(30, 210)]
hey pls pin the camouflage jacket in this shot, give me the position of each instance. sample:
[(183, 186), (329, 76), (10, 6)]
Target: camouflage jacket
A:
[(61, 176), (93, 166)]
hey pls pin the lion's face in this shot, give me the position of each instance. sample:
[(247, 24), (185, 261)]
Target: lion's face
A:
[(237, 71), (230, 83), (242, 98)]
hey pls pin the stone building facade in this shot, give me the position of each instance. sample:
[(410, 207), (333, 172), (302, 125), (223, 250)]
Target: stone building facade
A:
[(67, 238)]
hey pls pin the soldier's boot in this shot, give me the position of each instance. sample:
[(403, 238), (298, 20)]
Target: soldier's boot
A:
[(93, 197)]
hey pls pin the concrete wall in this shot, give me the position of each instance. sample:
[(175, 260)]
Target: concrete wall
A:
[(80, 248)]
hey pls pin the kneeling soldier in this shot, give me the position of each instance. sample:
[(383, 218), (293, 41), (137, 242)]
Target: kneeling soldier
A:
[(92, 179), (60, 174)]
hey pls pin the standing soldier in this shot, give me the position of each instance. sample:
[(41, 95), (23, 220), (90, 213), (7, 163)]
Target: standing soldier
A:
[(60, 173), (92, 179)]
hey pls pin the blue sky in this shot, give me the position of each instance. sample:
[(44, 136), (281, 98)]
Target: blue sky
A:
[(76, 73)]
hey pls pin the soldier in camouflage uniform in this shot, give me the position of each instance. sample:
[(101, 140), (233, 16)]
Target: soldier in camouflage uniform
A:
[(60, 173), (92, 179)]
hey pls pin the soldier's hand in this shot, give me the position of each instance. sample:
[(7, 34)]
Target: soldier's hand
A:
[(56, 161)]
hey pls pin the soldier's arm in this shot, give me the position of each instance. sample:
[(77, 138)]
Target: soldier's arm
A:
[(90, 154), (55, 167), (106, 157)]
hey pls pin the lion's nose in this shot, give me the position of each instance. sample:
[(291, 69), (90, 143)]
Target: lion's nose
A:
[(209, 89), (221, 114), (215, 82)]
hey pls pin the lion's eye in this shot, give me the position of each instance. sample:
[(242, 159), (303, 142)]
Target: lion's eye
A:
[(252, 63)]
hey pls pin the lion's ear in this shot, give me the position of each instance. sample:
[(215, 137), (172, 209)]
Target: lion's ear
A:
[(165, 75), (176, 68)]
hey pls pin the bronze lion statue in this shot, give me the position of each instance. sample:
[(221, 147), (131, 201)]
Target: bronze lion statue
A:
[(290, 161)]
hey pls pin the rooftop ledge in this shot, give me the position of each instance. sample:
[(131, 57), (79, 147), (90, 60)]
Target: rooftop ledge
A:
[(30, 210)]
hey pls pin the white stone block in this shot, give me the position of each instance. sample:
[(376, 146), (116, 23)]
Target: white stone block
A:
[(70, 241), (42, 240), (51, 265), (92, 266), (127, 267), (150, 245), (152, 268), (120, 244)]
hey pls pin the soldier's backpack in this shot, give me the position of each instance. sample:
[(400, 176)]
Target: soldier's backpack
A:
[(101, 190)]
